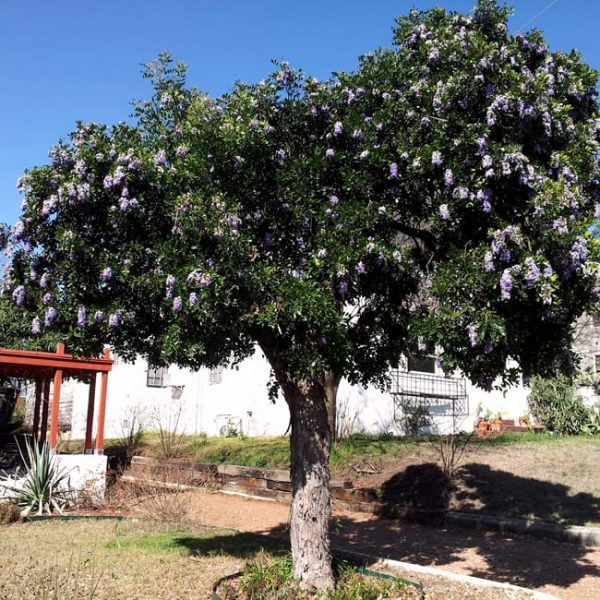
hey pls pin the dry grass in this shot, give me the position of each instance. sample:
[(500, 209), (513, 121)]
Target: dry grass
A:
[(108, 559)]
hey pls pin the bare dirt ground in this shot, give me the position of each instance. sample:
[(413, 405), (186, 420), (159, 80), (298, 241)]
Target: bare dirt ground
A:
[(563, 570)]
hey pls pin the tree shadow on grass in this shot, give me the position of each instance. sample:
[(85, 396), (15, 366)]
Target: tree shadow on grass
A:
[(419, 493), (239, 545)]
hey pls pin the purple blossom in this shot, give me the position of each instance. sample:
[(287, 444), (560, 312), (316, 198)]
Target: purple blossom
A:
[(394, 171), (81, 317), (472, 334), (560, 226), (484, 196), (343, 288), (193, 299), (487, 161), (338, 128), (481, 146), (488, 262), (597, 211), (160, 158), (114, 319), (47, 298), (506, 285), (360, 268), (461, 192), (579, 252), (333, 200), (449, 177), (177, 304), (98, 316), (169, 286), (181, 151), (36, 326), (444, 212), (532, 274), (322, 253), (357, 134), (107, 274), (425, 121), (44, 280), (436, 158), (280, 155), (329, 153), (19, 295), (487, 347), (50, 315)]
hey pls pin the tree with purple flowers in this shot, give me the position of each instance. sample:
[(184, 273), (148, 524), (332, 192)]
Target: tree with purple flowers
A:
[(436, 200)]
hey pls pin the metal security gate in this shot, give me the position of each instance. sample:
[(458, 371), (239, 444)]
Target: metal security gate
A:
[(442, 396)]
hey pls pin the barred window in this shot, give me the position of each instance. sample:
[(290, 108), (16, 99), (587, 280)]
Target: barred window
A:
[(156, 377), (215, 376), (425, 364)]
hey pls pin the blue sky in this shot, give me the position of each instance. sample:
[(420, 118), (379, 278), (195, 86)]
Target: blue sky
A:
[(70, 60)]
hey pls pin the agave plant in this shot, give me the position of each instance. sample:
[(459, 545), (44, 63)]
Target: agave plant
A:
[(45, 484)]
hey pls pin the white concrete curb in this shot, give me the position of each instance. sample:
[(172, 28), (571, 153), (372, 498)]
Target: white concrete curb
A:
[(424, 570)]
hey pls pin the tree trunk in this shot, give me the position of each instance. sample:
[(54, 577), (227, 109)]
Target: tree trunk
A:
[(311, 505), (331, 384)]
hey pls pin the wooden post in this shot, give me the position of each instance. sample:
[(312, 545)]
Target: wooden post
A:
[(102, 407), (36, 408), (90, 415), (58, 375), (45, 405)]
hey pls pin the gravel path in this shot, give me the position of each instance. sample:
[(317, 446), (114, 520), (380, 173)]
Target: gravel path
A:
[(563, 570)]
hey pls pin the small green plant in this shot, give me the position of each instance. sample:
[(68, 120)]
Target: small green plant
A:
[(44, 486), (593, 425), (413, 418), (266, 578)]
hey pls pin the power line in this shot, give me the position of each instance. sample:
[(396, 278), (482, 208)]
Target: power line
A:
[(538, 15)]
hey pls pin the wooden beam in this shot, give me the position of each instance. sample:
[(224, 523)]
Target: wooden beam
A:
[(87, 448), (36, 408), (102, 407), (55, 409), (45, 406)]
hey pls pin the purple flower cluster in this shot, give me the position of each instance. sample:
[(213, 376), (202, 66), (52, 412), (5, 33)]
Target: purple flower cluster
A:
[(50, 316), (193, 299), (177, 304), (19, 295), (98, 316), (114, 319), (36, 326), (506, 285), (169, 286), (436, 158), (579, 252), (107, 274), (448, 178), (81, 317), (532, 273), (338, 128), (444, 212), (472, 330)]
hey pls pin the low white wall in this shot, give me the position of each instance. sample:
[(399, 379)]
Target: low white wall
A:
[(86, 477)]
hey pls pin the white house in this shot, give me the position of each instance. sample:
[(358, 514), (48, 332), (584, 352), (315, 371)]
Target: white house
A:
[(227, 401)]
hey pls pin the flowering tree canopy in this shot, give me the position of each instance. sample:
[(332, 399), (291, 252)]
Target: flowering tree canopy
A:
[(436, 200)]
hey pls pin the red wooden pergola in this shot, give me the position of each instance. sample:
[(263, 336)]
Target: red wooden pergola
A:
[(47, 367)]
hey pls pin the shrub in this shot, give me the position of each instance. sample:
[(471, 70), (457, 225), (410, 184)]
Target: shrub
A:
[(553, 403)]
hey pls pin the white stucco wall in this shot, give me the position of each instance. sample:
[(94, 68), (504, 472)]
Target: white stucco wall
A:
[(190, 402)]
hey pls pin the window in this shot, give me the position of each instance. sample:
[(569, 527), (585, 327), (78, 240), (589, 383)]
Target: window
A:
[(215, 376), (156, 377), (425, 364)]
